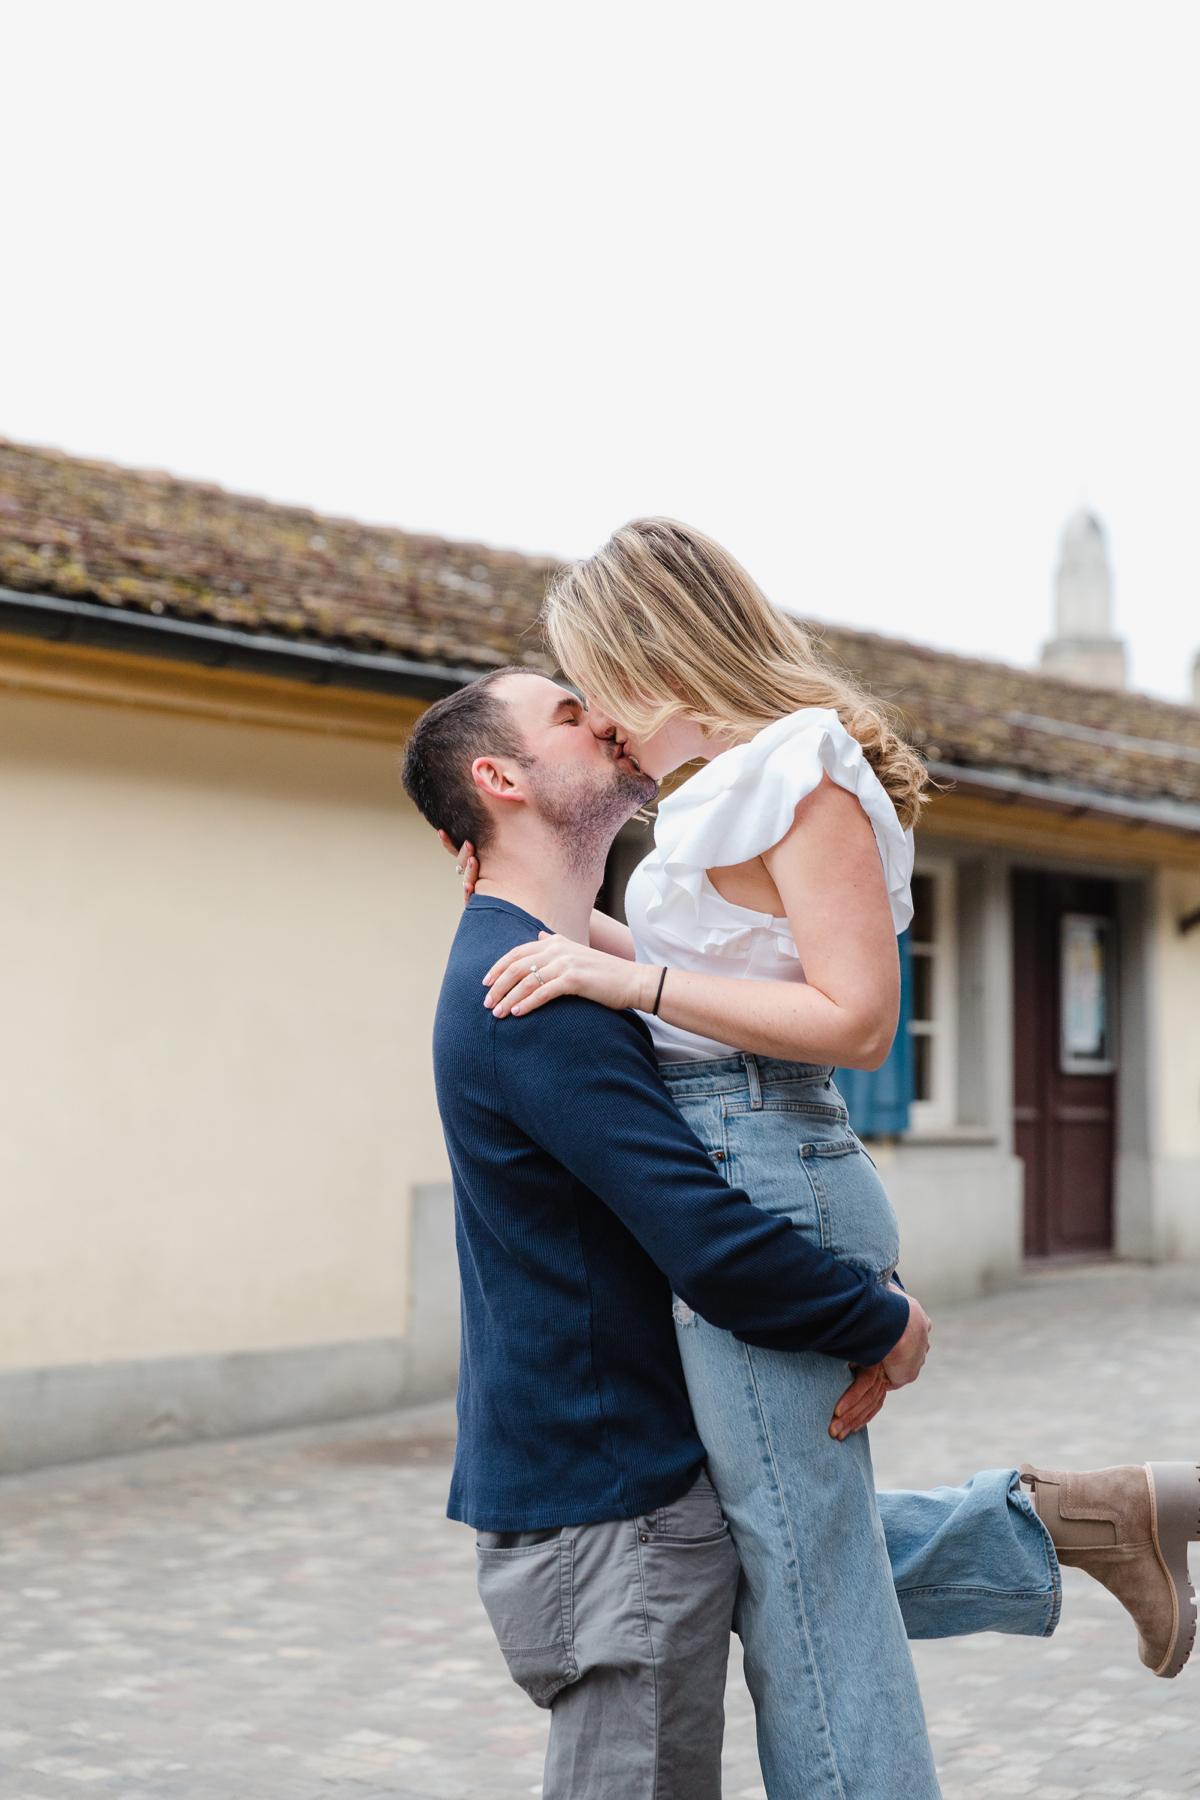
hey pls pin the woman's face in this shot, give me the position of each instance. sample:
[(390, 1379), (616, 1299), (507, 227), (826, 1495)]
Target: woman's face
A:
[(673, 744)]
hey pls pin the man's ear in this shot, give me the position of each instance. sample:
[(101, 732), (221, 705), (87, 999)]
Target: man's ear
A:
[(496, 780)]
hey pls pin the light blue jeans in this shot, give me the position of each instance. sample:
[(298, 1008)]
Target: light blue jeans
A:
[(835, 1577)]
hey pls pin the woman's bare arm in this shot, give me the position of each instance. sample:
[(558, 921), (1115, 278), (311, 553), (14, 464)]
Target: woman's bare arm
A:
[(831, 883), (608, 934)]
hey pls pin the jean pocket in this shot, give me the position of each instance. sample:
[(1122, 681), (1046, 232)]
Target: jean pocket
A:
[(528, 1595), (858, 1224), (695, 1518), (761, 1149)]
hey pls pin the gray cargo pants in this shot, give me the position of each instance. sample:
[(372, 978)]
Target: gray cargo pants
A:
[(622, 1630)]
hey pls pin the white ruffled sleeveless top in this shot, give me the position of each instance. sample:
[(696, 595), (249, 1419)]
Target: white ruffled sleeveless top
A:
[(732, 809)]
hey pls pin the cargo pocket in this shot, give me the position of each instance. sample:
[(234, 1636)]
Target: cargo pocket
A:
[(528, 1594)]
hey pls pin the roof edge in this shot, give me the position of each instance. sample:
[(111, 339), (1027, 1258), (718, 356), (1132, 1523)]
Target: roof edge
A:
[(103, 627), (1169, 815)]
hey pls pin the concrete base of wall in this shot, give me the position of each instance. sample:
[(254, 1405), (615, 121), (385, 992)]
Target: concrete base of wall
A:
[(960, 1213), (432, 1371), (1177, 1208), (80, 1410), (1134, 1224)]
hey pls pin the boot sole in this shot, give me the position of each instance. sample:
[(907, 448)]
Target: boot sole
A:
[(1174, 1523)]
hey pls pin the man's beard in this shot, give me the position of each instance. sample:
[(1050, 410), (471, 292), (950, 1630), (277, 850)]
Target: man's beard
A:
[(587, 811)]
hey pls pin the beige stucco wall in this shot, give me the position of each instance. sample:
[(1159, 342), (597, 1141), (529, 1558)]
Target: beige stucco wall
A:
[(1178, 995), (223, 944)]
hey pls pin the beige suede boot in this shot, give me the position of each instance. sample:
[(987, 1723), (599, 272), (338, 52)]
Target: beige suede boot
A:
[(1130, 1527)]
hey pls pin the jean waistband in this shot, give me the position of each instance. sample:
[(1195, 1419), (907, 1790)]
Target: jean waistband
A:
[(744, 1072)]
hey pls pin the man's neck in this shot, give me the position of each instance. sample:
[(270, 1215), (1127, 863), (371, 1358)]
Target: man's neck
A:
[(538, 882)]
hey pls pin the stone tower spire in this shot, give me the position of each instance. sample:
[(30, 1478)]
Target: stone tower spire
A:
[(1084, 647)]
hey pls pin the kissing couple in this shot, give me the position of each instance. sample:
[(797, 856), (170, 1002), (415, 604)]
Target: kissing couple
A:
[(681, 1304)]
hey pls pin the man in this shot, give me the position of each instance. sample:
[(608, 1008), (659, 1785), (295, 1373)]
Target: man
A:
[(582, 1200)]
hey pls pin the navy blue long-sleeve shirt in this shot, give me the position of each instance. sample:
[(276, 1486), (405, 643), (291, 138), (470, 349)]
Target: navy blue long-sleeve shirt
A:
[(581, 1200)]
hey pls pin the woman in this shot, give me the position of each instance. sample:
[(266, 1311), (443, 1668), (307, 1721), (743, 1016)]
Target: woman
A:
[(772, 898)]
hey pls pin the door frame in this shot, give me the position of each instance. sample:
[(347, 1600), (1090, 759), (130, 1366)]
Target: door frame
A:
[(1133, 1147), (987, 987)]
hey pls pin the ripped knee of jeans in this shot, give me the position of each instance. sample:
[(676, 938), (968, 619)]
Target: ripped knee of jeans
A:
[(681, 1312)]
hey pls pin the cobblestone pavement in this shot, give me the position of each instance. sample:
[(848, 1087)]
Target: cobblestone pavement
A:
[(292, 1616)]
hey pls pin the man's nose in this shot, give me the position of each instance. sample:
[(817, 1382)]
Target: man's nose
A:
[(602, 726)]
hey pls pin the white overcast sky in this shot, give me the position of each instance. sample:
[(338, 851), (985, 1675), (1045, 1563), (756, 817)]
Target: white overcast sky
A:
[(876, 293)]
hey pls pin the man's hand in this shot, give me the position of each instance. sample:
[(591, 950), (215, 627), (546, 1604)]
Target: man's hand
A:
[(860, 1402), (904, 1363), (869, 1389)]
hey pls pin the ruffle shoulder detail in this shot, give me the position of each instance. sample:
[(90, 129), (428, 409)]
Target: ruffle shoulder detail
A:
[(743, 802)]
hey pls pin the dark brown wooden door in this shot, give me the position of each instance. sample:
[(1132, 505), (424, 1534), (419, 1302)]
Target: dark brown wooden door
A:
[(1065, 1047)]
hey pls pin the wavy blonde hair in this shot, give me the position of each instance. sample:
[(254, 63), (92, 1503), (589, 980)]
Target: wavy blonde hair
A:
[(663, 623)]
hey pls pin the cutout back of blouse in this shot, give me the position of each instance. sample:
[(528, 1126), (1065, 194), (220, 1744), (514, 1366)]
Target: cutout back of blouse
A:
[(734, 808)]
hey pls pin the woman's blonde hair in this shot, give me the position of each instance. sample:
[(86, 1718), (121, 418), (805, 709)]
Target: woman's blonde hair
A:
[(663, 623)]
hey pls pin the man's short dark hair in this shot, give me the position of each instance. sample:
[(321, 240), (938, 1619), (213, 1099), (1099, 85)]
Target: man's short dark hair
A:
[(473, 721)]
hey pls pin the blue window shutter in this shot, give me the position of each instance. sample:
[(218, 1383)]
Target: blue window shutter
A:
[(879, 1099)]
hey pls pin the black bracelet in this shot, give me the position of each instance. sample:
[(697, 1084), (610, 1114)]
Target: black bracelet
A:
[(658, 996)]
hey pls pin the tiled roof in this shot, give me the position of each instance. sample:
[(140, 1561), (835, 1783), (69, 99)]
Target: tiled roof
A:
[(978, 714), (183, 549)]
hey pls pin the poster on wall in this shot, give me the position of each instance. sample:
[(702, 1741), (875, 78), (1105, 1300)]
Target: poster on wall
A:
[(1086, 1034)]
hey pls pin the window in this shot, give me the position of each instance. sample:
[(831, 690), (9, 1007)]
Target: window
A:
[(932, 1014), (879, 1101), (1087, 983)]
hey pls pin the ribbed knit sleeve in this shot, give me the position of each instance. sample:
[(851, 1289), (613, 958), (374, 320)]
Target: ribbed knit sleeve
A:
[(582, 1083)]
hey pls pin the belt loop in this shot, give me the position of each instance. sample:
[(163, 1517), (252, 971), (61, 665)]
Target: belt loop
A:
[(752, 1081)]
